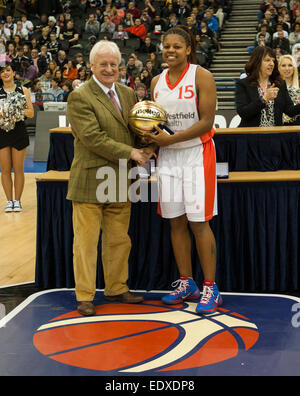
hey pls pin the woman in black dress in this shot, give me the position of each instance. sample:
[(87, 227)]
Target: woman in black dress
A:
[(13, 143)]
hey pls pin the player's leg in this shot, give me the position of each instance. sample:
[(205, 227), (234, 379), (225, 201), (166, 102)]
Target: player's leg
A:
[(206, 249), (185, 287)]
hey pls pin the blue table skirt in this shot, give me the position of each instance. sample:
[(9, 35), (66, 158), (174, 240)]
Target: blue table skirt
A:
[(259, 152), (257, 233), (243, 152)]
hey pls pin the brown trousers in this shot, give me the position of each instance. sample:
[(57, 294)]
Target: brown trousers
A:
[(88, 219)]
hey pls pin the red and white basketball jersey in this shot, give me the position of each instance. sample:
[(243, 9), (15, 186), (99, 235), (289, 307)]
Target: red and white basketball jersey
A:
[(181, 104)]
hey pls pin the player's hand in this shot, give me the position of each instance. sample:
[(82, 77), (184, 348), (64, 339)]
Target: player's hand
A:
[(162, 138)]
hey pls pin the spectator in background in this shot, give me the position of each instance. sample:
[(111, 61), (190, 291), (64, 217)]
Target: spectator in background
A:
[(28, 25), (11, 50), (39, 63), (53, 27), (18, 41), (182, 10), (141, 92), (28, 73), (35, 90), (5, 33), (54, 45), (58, 75), (70, 71), (282, 43), (279, 28), (107, 26), (131, 69), (79, 61), (45, 53), (20, 31), (158, 25), (212, 21), (123, 75), (82, 74), (61, 59), (146, 47), (268, 36), (45, 80), (69, 34), (191, 25), (137, 30), (135, 12), (52, 65), (90, 44), (138, 63), (120, 33), (10, 25), (27, 50), (18, 59), (44, 38), (289, 73), (92, 26), (146, 78), (67, 88), (55, 90), (262, 97), (294, 36)]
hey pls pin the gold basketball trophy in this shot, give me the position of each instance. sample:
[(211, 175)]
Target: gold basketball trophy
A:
[(145, 115)]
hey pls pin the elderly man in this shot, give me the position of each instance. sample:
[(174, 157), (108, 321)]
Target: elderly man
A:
[(98, 112)]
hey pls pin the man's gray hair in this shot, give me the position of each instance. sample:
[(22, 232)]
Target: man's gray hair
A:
[(105, 46)]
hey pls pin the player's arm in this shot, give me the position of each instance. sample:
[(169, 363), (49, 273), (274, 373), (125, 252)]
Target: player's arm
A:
[(207, 97)]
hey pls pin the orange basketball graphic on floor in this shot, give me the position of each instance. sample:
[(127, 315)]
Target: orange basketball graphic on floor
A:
[(145, 337)]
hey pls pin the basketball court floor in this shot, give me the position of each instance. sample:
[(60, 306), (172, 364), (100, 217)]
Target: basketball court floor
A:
[(250, 335), (41, 334)]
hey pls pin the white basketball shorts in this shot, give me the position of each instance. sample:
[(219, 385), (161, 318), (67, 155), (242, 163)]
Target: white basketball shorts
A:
[(187, 182)]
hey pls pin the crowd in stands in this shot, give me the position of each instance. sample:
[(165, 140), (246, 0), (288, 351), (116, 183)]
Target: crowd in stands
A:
[(279, 27), (49, 41)]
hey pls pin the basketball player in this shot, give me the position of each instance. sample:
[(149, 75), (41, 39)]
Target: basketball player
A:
[(187, 164)]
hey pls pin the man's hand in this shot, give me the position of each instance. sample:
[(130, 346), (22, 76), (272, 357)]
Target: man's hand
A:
[(139, 156)]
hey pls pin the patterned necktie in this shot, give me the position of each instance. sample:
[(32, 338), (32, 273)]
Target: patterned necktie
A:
[(113, 99)]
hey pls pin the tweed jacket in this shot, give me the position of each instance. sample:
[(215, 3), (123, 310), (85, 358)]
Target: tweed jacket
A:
[(249, 105), (101, 139)]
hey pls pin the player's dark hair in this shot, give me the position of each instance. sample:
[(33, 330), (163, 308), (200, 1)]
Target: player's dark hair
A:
[(188, 37)]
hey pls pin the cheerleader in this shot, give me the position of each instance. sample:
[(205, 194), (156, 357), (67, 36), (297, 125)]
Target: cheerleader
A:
[(13, 143)]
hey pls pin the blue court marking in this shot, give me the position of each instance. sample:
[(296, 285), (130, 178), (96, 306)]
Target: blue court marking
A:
[(31, 166)]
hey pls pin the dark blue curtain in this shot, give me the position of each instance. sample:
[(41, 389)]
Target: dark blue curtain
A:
[(259, 152), (61, 151), (257, 233), (243, 152)]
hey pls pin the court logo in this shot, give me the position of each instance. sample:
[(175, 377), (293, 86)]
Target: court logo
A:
[(159, 338)]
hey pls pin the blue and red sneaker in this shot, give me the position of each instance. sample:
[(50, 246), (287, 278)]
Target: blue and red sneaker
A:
[(187, 290), (210, 300)]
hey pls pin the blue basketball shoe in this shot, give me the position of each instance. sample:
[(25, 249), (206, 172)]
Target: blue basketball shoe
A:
[(210, 300), (186, 290)]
